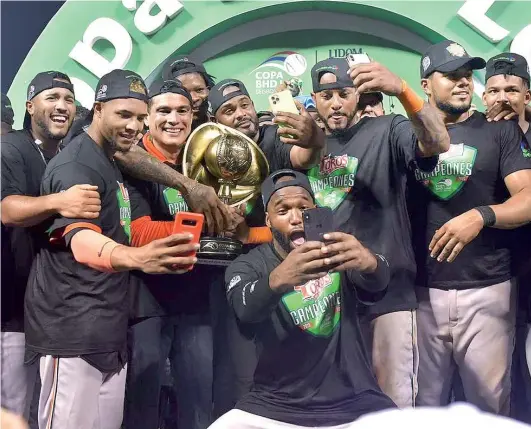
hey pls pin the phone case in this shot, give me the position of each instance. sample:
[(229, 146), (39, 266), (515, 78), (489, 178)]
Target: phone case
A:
[(353, 59), (317, 222), (283, 102), (191, 223)]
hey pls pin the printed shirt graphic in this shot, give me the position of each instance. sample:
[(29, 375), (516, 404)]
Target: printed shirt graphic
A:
[(333, 179), (125, 209), (175, 201), (451, 173), (315, 307)]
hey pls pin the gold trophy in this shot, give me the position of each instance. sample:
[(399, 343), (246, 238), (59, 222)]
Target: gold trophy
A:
[(235, 166)]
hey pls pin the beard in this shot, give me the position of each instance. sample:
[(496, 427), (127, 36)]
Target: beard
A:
[(282, 239), (41, 123), (202, 116), (451, 109), (337, 132), (251, 132)]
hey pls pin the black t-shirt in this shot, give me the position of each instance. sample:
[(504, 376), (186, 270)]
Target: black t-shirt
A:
[(23, 166), (167, 294), (363, 179), (469, 175), (312, 368), (72, 309)]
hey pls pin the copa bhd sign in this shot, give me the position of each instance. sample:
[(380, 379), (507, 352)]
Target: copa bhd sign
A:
[(144, 34)]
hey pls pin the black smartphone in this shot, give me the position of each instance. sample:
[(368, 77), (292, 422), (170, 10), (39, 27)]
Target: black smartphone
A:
[(317, 222)]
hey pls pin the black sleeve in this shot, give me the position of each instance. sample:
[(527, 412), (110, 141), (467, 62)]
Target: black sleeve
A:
[(64, 177), (371, 288), (13, 171), (405, 146), (138, 197), (276, 152), (515, 154), (248, 291)]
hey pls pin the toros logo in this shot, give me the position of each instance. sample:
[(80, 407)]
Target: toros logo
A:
[(277, 68), (330, 164), (313, 289)]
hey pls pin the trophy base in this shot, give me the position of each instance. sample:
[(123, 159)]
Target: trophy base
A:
[(218, 250)]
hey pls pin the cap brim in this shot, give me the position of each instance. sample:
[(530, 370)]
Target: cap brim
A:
[(476, 63)]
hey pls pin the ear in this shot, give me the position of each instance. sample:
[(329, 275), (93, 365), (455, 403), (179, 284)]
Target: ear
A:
[(98, 109), (426, 86), (267, 221), (527, 97), (484, 98), (30, 107)]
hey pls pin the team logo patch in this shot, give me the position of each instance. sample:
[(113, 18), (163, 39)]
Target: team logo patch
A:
[(456, 50), (102, 92), (451, 173), (137, 86), (315, 307), (426, 63), (333, 179), (526, 151)]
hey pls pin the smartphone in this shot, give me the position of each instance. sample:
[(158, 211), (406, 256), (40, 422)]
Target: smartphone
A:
[(283, 102), (317, 222), (353, 59), (191, 223)]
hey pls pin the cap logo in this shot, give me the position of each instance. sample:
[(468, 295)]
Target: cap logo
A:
[(210, 110), (426, 63), (326, 68), (456, 50), (137, 86), (180, 60), (102, 92), (31, 92)]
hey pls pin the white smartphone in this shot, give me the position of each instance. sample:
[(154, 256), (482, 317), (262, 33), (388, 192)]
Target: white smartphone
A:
[(283, 102), (354, 59)]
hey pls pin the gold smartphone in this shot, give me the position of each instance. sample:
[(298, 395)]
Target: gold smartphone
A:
[(283, 102)]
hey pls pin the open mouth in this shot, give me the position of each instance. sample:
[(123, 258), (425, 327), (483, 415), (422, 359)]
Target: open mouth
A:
[(297, 238), (59, 119), (244, 124)]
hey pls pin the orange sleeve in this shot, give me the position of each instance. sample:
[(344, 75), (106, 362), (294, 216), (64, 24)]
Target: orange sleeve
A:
[(144, 230), (58, 234), (259, 234)]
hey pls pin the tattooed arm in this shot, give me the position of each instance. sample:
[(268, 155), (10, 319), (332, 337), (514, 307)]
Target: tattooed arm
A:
[(430, 130), (200, 198), (427, 124)]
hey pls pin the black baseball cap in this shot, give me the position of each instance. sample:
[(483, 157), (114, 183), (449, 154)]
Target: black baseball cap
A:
[(43, 81), (121, 84), (447, 56), (272, 184), (182, 64), (507, 63), (164, 86), (7, 110), (376, 94), (216, 98), (338, 67)]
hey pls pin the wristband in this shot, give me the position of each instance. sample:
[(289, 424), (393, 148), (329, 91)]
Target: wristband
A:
[(258, 235), (488, 215), (410, 100)]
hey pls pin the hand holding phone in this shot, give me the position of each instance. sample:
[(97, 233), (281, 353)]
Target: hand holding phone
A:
[(191, 223), (283, 102)]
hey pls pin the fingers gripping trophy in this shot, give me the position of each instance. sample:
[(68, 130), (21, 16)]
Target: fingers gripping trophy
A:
[(235, 166)]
